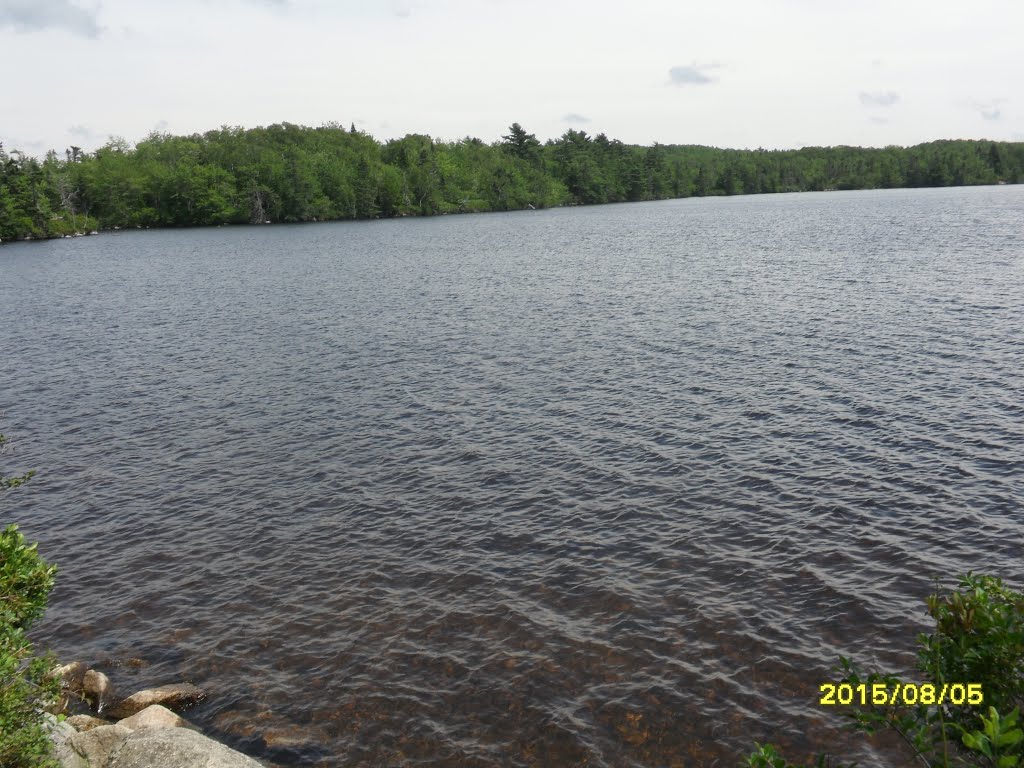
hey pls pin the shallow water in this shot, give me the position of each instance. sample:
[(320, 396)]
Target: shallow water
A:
[(606, 486)]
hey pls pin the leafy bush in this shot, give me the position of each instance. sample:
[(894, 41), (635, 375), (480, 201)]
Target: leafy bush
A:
[(26, 690), (978, 639), (767, 756)]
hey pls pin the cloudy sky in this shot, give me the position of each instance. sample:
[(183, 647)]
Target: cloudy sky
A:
[(728, 73)]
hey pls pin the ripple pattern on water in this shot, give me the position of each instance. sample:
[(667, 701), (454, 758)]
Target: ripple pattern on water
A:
[(607, 487)]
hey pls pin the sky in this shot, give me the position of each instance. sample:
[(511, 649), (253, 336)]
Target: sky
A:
[(776, 74)]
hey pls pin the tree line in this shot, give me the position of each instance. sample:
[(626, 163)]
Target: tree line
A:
[(291, 173)]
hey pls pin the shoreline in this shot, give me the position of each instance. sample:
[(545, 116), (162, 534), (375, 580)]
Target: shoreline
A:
[(142, 730), (107, 230)]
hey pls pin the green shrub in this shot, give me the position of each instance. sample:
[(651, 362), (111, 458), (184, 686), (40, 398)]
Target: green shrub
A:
[(978, 639), (26, 690), (767, 756)]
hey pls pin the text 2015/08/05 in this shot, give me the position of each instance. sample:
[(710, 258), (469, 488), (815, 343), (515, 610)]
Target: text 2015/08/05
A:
[(881, 694)]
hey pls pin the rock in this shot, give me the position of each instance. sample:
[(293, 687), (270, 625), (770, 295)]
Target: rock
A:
[(632, 730), (71, 675), (132, 662), (175, 748), (153, 716), (172, 696), (275, 731), (60, 736), (82, 723), (97, 744), (285, 738), (239, 723), (97, 688), (72, 685)]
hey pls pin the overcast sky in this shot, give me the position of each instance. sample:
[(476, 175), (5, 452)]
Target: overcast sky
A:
[(728, 73)]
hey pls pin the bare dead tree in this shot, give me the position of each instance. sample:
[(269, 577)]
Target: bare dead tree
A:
[(257, 214), (68, 198)]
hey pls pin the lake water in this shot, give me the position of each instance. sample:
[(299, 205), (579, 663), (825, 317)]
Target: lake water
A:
[(606, 486)]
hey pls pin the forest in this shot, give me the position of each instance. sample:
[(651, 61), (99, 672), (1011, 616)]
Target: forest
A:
[(292, 173)]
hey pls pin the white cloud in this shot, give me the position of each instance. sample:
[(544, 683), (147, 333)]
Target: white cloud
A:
[(451, 68), (879, 99), (38, 15), (573, 117), (690, 75), (990, 110)]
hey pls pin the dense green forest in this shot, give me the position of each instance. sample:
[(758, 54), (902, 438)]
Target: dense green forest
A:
[(286, 173)]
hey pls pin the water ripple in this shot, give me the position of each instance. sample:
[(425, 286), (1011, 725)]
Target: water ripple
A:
[(604, 487)]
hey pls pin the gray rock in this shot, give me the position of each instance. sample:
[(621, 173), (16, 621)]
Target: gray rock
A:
[(95, 745), (175, 748), (97, 688), (60, 735), (85, 722), (171, 696), (154, 716)]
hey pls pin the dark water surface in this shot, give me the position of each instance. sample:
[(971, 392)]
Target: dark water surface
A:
[(609, 486)]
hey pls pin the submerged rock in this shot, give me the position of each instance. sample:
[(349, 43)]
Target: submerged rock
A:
[(175, 696)]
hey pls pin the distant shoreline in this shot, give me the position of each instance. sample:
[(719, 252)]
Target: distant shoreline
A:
[(288, 173), (139, 227)]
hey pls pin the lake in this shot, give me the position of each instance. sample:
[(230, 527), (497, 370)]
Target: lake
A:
[(607, 486)]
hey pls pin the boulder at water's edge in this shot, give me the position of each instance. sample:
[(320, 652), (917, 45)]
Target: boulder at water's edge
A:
[(170, 696), (175, 748)]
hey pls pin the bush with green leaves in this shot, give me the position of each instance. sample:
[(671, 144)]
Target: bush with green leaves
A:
[(978, 639), (767, 756), (26, 689)]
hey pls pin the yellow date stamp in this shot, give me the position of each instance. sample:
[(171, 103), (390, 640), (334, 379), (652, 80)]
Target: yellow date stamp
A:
[(909, 694)]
